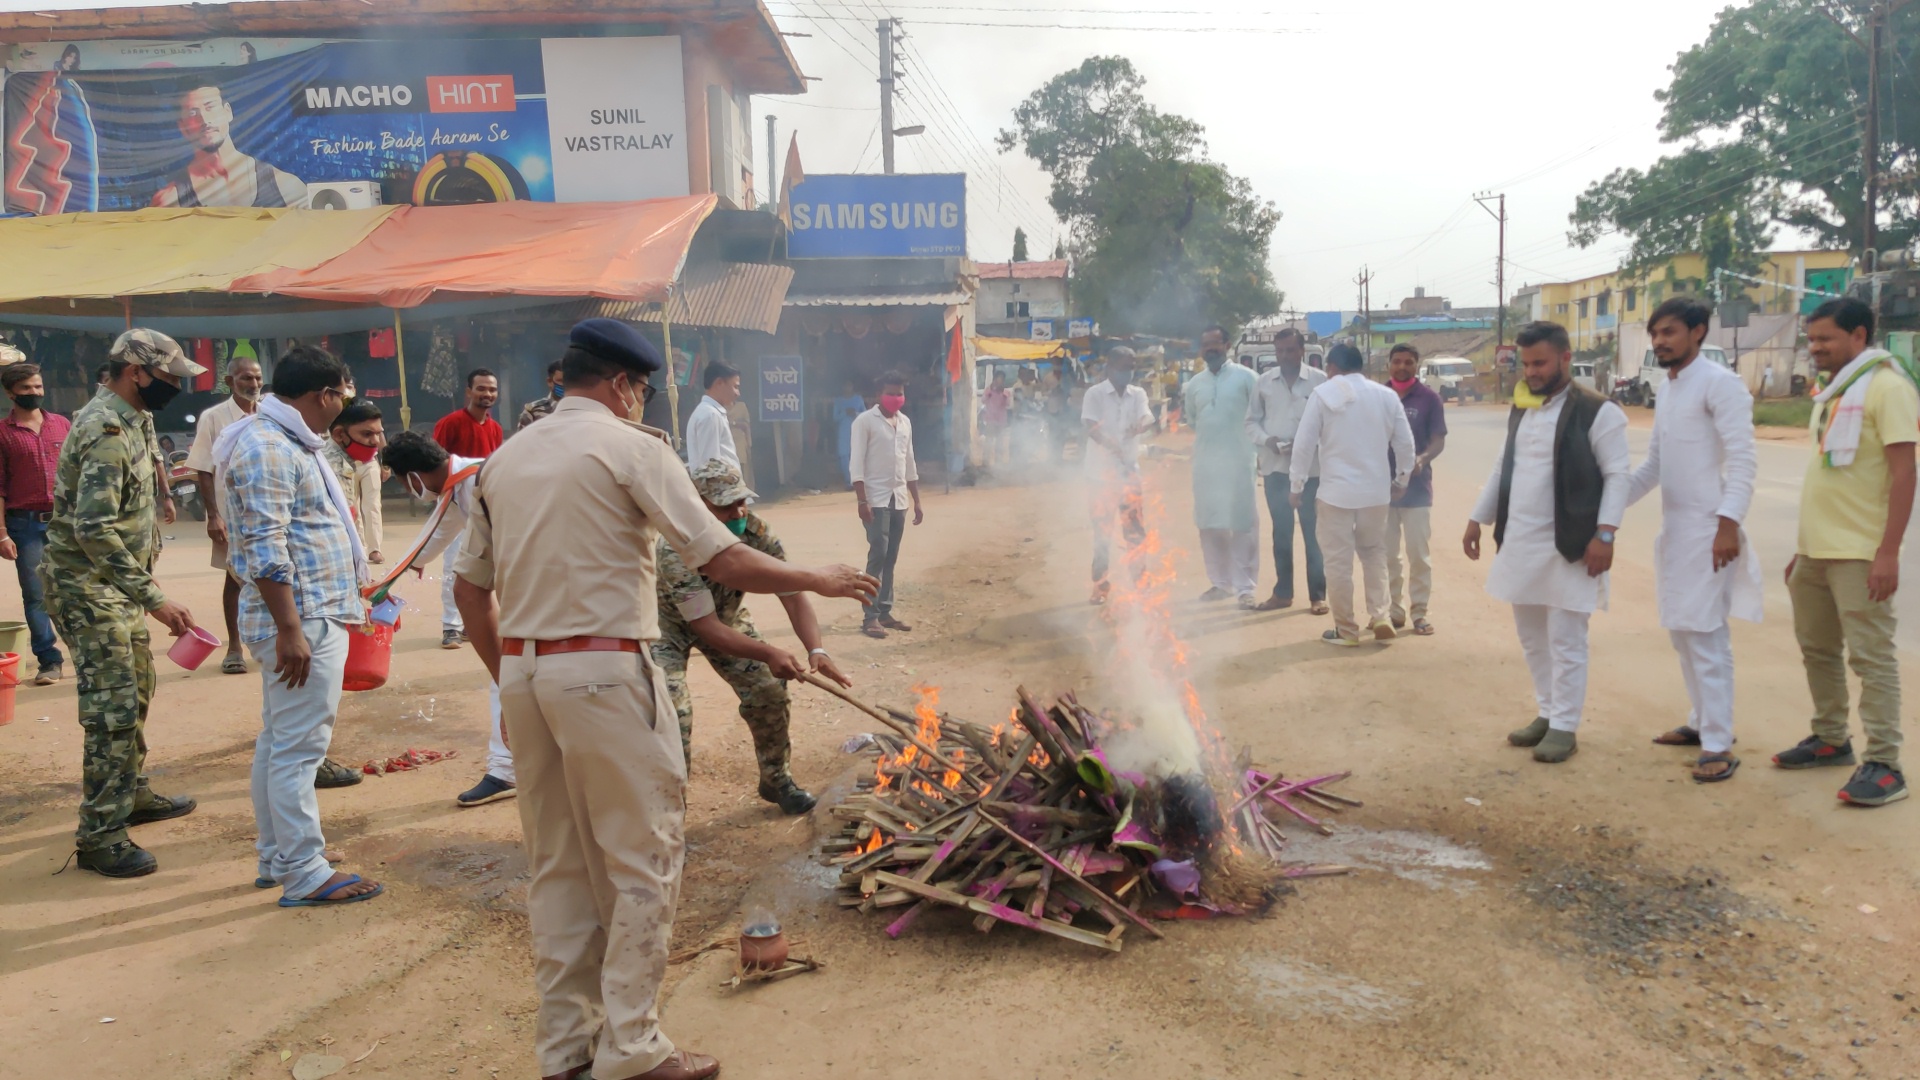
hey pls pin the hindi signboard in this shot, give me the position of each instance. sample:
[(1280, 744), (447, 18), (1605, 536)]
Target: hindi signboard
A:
[(782, 389)]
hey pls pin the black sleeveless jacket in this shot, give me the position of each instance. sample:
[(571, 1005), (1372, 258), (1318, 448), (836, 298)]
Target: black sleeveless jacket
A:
[(1577, 481)]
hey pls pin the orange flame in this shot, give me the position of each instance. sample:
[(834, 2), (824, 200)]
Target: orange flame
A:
[(874, 843)]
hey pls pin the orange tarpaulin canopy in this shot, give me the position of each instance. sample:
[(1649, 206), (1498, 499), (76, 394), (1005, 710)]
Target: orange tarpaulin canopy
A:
[(617, 251)]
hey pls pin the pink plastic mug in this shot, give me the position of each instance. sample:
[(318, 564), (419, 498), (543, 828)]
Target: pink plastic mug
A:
[(192, 648)]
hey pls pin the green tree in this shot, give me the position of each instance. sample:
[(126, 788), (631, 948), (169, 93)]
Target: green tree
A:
[(1163, 240), (1019, 244), (1059, 250), (1770, 110)]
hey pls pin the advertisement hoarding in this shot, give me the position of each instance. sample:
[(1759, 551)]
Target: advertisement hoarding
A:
[(901, 215), (429, 122)]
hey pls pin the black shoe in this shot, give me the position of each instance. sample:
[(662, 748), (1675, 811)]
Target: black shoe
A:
[(121, 860), (787, 795), (1814, 752), (490, 789), (160, 809), (452, 639), (333, 774), (1874, 784)]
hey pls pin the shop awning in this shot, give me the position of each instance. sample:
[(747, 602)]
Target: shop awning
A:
[(731, 296), (152, 252), (616, 251), (921, 298), (1017, 349)]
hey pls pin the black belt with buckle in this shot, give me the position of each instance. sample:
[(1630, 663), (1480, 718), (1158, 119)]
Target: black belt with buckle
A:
[(42, 516)]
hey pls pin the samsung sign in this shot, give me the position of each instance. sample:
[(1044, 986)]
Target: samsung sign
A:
[(848, 216)]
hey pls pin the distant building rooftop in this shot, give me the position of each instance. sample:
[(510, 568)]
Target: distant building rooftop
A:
[(1047, 268)]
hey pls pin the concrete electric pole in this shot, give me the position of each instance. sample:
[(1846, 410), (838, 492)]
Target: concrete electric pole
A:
[(886, 95), (1361, 280), (773, 188), (1500, 260)]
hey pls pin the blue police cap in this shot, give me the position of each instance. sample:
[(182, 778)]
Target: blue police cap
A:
[(615, 342)]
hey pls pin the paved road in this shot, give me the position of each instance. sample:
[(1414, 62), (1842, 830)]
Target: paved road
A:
[(1478, 433)]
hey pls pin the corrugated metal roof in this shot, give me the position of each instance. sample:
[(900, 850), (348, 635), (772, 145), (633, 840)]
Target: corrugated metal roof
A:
[(1046, 268), (916, 299), (734, 296)]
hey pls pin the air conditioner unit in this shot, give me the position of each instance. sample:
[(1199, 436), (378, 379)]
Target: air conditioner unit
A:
[(343, 195)]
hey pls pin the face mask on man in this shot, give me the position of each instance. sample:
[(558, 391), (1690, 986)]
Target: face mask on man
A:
[(28, 402), (157, 394), (892, 403), (1402, 385), (737, 526), (559, 392), (361, 452), (417, 487)]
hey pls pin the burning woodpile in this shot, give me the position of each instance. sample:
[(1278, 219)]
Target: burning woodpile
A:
[(1032, 825)]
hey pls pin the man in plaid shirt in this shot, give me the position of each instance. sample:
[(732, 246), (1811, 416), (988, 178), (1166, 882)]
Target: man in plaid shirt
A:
[(293, 545)]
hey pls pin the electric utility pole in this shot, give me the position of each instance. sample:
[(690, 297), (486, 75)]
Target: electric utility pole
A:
[(773, 190), (1878, 15), (885, 29), (1500, 260), (1361, 281)]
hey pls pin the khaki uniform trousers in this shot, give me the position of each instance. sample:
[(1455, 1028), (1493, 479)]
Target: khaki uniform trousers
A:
[(1839, 624), (602, 795)]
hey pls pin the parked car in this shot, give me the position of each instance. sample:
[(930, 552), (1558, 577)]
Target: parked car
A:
[(1645, 389), (1583, 375), (1451, 377)]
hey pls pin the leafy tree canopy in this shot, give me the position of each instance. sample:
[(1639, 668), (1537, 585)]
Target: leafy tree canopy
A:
[(1163, 240), (1019, 244)]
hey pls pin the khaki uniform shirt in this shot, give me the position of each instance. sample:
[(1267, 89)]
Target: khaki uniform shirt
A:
[(104, 534), (570, 511)]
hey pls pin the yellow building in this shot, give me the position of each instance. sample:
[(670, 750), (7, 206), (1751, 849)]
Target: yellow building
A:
[(1592, 308)]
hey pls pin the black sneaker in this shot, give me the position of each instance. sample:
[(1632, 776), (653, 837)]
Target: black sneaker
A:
[(1874, 784), (161, 808), (332, 774), (787, 795), (452, 639), (122, 860), (490, 789), (1813, 752)]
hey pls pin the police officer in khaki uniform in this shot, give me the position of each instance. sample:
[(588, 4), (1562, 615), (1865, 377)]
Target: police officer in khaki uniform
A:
[(569, 512)]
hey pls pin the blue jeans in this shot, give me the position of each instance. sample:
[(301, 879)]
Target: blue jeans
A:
[(29, 534), (295, 728), (1279, 486)]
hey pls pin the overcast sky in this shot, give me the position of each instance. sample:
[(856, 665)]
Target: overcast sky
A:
[(1369, 124)]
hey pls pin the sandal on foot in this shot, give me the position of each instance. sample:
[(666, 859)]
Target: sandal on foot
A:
[(871, 628), (892, 623), (1423, 628), (1701, 776), (1320, 607), (234, 665), (323, 898), (1680, 736)]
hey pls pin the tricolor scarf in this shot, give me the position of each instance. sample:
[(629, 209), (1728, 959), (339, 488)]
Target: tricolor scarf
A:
[(377, 591), (1840, 440), (288, 419)]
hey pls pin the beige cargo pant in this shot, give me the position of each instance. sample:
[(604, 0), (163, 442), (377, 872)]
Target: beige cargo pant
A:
[(602, 805)]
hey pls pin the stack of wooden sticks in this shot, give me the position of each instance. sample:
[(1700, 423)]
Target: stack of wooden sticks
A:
[(1026, 825)]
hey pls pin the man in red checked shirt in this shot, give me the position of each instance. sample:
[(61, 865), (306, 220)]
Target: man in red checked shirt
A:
[(30, 440), (470, 433)]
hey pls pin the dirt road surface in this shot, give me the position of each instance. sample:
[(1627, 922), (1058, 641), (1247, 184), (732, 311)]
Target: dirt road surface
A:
[(1603, 918)]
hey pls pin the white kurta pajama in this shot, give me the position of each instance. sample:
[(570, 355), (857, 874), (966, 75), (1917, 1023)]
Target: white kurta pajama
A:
[(1223, 457), (1702, 459), (1553, 598)]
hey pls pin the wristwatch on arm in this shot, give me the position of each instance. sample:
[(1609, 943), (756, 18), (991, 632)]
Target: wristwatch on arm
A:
[(1604, 535)]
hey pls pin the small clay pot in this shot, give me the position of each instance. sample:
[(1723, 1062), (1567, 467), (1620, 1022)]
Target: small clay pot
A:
[(766, 952)]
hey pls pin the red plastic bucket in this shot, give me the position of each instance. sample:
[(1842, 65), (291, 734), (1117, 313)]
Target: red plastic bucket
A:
[(369, 656), (9, 678), (192, 648)]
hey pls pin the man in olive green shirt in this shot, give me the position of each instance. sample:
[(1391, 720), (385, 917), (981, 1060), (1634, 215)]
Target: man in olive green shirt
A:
[(1854, 507), (98, 571)]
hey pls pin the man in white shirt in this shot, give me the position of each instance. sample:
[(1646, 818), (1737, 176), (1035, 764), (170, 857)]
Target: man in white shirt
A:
[(1273, 420), (709, 431), (1703, 461), (885, 481), (1115, 414), (1554, 499), (1350, 427), (244, 383)]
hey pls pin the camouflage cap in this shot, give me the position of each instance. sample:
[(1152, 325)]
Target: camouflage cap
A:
[(151, 348), (719, 483)]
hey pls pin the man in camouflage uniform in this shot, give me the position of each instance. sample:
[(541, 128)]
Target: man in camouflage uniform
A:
[(539, 407), (98, 572), (698, 613)]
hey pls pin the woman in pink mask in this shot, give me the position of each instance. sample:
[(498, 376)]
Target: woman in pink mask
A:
[(885, 482)]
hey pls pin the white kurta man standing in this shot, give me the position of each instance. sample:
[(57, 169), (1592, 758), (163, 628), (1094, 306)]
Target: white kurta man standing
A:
[(1555, 499), (1702, 460)]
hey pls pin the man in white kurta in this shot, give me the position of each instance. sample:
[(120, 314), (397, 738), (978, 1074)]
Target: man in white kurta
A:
[(1552, 596), (1702, 460), (1114, 414), (1215, 405)]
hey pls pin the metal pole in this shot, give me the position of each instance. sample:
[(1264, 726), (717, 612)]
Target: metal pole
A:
[(1870, 148), (673, 378), (773, 189), (886, 95), (400, 359)]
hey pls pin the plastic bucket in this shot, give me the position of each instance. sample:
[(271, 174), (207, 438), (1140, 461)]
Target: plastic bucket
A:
[(369, 655), (192, 648), (9, 678), (12, 634)]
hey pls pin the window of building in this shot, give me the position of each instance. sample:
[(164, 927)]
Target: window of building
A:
[(1016, 309), (1631, 296), (1559, 309), (1389, 339), (1581, 304), (1603, 303)]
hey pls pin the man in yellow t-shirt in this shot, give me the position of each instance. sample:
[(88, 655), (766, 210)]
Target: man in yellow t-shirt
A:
[(1854, 508)]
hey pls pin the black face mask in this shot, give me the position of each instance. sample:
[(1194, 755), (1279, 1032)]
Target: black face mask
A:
[(157, 394), (28, 402)]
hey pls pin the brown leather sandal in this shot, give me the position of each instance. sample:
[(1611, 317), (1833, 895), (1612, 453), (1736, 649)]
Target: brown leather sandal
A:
[(1680, 736)]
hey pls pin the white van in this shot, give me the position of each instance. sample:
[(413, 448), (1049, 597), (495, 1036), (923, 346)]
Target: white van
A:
[(1653, 377), (1451, 377)]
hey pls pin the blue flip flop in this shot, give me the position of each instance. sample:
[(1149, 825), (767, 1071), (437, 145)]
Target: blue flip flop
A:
[(319, 899), (264, 883)]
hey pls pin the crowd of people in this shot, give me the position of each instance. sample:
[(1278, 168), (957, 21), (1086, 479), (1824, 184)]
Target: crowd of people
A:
[(585, 563)]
